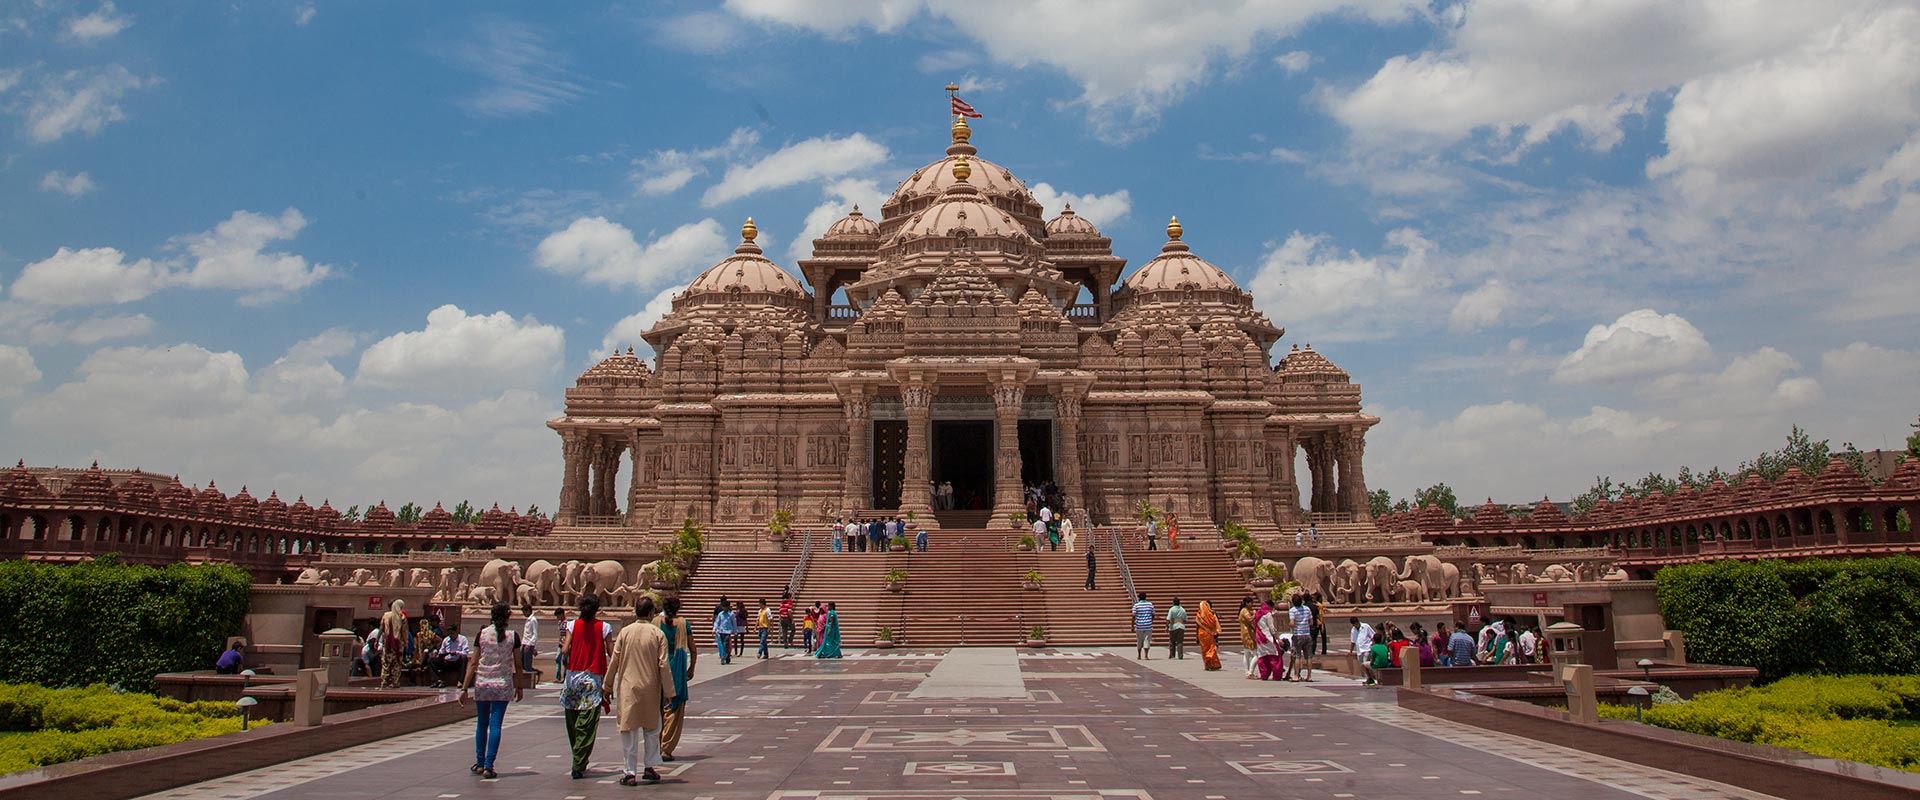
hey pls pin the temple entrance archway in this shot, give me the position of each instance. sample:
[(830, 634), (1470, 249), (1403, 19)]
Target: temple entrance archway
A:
[(1036, 452), (963, 456), (889, 462)]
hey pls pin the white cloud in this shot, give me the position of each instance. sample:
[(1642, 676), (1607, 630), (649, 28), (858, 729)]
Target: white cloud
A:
[(1295, 62), (1639, 343), (1103, 210), (1305, 279), (703, 32), (104, 23), (630, 330), (77, 101), (808, 160), (842, 196), (17, 370), (305, 377), (1481, 307), (942, 61), (667, 171), (603, 252), (522, 74), (460, 352), (302, 15), (230, 257), (93, 330), (89, 276), (69, 185)]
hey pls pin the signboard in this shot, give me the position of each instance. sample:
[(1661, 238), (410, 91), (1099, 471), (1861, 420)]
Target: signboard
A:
[(1540, 599), (373, 602)]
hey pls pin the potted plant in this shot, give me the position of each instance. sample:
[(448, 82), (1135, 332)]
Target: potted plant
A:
[(667, 576), (1282, 594), (1233, 534), (1018, 518), (895, 579), (780, 525), (883, 638), (1026, 542), (1266, 574), (1036, 636), (1246, 554), (1145, 512), (1034, 579)]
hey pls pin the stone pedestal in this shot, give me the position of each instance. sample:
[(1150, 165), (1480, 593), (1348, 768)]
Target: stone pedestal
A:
[(337, 649), (309, 697), (1582, 705)]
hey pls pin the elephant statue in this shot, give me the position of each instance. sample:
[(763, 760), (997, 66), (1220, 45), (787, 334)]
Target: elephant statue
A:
[(600, 576), (1482, 575), (501, 576), (1411, 591), (569, 581), (1347, 581), (1554, 573), (483, 595), (310, 576), (627, 594), (448, 587), (1315, 576), (396, 578), (420, 578), (544, 580), (1521, 574), (1451, 573), (1430, 573), (361, 577), (1381, 580)]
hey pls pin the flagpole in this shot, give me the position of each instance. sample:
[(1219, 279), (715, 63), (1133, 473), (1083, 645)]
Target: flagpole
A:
[(951, 96)]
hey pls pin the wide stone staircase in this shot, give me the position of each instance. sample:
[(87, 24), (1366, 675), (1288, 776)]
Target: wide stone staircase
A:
[(743, 577)]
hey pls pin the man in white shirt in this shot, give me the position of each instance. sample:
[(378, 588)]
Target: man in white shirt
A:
[(1361, 638), (1046, 514), (529, 640), (1528, 642), (452, 658), (852, 532)]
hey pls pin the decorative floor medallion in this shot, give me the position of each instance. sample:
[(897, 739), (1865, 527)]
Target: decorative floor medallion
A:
[(1286, 767), (961, 769), (1179, 710), (1231, 736), (1033, 738)]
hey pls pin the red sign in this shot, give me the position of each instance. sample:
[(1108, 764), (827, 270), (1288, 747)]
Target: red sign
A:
[(373, 602), (1540, 599)]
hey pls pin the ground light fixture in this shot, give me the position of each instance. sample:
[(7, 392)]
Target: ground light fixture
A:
[(246, 705), (1639, 694), (1646, 668)]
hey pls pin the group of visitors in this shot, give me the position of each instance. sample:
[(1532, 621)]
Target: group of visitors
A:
[(1503, 642), (876, 535), (942, 492), (1307, 537), (731, 624), (1050, 529), (1172, 529), (1278, 642), (399, 645)]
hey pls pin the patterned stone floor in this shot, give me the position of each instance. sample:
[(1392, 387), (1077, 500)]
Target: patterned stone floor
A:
[(1088, 724)]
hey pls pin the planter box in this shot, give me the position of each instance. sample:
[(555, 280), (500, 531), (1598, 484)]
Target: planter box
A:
[(893, 587), (1036, 643), (1263, 583), (1033, 586), (883, 644)]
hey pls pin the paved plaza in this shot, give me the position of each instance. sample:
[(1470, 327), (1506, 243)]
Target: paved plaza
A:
[(993, 723)]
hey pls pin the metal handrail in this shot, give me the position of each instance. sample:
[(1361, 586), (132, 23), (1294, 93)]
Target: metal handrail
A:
[(800, 567), (1120, 559)]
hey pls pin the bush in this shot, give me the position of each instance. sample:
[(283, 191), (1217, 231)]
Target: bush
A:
[(65, 724), (1819, 616), (105, 622), (1857, 718)]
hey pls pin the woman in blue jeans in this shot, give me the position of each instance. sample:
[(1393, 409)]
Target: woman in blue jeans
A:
[(493, 677)]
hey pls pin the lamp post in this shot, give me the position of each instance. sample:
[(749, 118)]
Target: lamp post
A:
[(1639, 694), (246, 705), (1646, 668), (246, 677)]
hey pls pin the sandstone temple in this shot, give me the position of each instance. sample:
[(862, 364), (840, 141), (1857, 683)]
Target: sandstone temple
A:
[(962, 339)]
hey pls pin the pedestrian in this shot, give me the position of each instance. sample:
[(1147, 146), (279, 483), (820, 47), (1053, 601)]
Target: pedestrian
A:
[(1271, 636), (1039, 533), (723, 630), (682, 657), (1378, 657), (1460, 646), (829, 634), (1153, 535), (1313, 535), (835, 533), (1528, 641), (762, 623), (1319, 620), (1207, 629), (1360, 640), (1066, 532), (584, 646), (451, 658), (920, 538), (1300, 537), (559, 657), (492, 678), (740, 629), (529, 639), (640, 681), (1173, 532), (1176, 630), (231, 661), (808, 621), (1442, 654), (1092, 566), (1142, 627), (786, 619), (1247, 640), (393, 635), (1300, 668)]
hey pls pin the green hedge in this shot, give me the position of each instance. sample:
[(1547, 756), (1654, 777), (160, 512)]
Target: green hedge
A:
[(59, 725), (104, 622), (1864, 718), (1820, 616)]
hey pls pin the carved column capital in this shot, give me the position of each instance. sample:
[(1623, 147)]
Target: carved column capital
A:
[(1066, 403), (1008, 395), (916, 396)]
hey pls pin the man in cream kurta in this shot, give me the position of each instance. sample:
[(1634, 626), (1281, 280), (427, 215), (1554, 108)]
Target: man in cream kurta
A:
[(640, 682)]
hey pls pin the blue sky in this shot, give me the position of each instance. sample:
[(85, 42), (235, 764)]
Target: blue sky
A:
[(356, 249)]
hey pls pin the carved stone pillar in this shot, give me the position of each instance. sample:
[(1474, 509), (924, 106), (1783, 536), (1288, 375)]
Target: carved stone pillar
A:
[(1066, 462), (1007, 498), (573, 477), (1353, 481), (1287, 494), (858, 406), (916, 397)]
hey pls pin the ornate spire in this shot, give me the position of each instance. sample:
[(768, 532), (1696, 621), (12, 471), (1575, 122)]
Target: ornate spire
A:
[(1173, 228), (1174, 232), (962, 169), (748, 232)]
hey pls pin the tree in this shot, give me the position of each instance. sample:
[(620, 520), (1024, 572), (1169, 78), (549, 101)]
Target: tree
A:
[(465, 513), (408, 513), (352, 515), (1379, 503), (1648, 486), (533, 510), (1441, 495), (1402, 506), (1603, 489), (1913, 442)]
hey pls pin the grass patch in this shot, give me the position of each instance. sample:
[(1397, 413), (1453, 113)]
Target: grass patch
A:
[(1872, 719)]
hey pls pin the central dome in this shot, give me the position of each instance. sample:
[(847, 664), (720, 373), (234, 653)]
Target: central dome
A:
[(933, 180)]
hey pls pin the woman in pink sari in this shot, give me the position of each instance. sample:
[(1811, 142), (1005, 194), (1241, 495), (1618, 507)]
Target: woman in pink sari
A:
[(1267, 643)]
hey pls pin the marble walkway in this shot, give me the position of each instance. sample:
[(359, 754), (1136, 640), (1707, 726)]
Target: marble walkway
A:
[(993, 724)]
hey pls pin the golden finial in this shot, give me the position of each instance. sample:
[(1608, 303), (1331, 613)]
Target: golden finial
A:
[(961, 133), (1173, 229), (748, 231), (961, 169), (952, 88)]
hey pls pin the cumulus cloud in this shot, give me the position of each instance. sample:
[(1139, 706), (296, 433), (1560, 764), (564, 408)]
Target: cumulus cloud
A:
[(89, 276), (631, 329), (667, 171), (702, 32), (842, 196), (104, 23), (1307, 279), (1103, 210), (76, 101), (303, 14), (93, 330), (1294, 61), (599, 251), (17, 370), (232, 256), (69, 185), (808, 160), (521, 74), (1639, 343), (462, 352), (1481, 307)]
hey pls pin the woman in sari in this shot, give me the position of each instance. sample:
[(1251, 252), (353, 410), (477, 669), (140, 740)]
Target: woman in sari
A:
[(1267, 633), (1207, 627), (1247, 617), (830, 634), (681, 658)]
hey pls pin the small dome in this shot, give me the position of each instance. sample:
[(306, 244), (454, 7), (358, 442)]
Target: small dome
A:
[(854, 226), (746, 271), (1178, 269), (1308, 366), (1071, 225), (619, 369)]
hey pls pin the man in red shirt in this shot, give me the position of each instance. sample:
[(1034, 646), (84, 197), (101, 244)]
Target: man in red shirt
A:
[(786, 619)]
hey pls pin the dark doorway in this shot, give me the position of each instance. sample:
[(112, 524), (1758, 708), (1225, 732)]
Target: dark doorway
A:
[(889, 462), (1036, 452), (963, 456)]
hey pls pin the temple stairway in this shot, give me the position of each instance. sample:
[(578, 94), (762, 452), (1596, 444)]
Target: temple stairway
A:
[(744, 577)]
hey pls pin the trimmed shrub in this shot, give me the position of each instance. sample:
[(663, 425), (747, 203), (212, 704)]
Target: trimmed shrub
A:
[(66, 724), (1856, 717), (105, 622), (1820, 615)]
